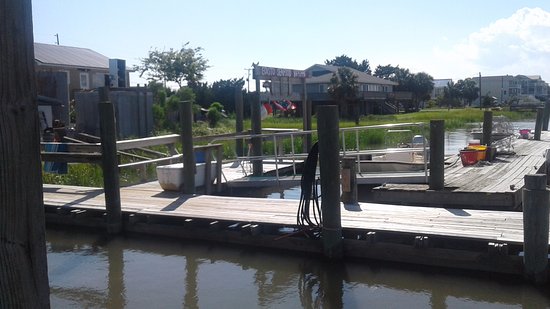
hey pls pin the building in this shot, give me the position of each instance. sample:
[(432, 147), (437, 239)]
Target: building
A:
[(61, 71), (508, 89), (439, 87), (376, 95)]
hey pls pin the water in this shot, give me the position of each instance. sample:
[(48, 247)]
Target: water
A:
[(91, 271), (87, 270)]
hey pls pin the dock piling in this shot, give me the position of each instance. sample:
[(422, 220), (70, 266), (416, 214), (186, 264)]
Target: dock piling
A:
[(349, 181), (487, 128), (109, 162), (536, 205), (538, 123), (239, 116), (546, 116), (327, 128), (186, 122), (256, 120), (437, 155)]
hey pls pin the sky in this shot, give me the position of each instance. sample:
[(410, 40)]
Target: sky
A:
[(446, 39)]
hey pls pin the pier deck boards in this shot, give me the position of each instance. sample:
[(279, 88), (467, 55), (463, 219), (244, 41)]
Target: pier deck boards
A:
[(495, 185), (149, 199)]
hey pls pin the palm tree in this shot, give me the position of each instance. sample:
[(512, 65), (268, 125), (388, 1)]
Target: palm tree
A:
[(344, 89)]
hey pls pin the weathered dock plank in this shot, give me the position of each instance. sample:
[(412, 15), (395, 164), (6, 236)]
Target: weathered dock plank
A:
[(457, 223), (487, 185)]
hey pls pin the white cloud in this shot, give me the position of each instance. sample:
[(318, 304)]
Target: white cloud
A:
[(519, 44)]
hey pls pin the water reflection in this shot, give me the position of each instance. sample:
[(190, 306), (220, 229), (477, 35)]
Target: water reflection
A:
[(87, 271)]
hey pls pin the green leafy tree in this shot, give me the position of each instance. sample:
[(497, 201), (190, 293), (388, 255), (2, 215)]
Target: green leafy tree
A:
[(174, 65), (421, 85), (214, 114), (468, 89), (224, 91), (451, 95), (344, 90), (348, 62)]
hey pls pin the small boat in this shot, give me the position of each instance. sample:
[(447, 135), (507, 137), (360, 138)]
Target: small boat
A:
[(502, 128), (406, 157), (170, 176)]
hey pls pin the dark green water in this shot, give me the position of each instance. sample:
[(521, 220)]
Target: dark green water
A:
[(91, 271)]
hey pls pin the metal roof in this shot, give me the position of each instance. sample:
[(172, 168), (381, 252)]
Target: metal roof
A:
[(362, 77), (58, 55)]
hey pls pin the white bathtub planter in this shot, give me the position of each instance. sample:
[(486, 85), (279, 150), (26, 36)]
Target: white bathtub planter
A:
[(170, 176)]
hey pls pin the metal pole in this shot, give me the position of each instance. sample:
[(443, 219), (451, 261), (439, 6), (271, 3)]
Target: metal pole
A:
[(437, 155), (329, 164), (536, 200), (189, 168)]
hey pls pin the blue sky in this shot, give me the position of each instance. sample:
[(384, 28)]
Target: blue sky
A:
[(446, 39)]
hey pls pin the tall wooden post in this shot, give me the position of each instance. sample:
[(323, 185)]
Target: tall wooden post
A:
[(189, 168), (349, 181), (109, 162), (257, 166), (546, 116), (538, 123), (239, 115), (306, 117), (487, 128), (536, 205), (329, 164), (437, 155), (23, 265)]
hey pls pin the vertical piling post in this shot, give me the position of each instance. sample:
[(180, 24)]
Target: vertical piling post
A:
[(536, 205), (239, 115), (437, 155), (306, 117), (546, 116), (189, 168), (109, 162), (257, 165), (538, 123), (327, 129), (487, 128), (349, 181)]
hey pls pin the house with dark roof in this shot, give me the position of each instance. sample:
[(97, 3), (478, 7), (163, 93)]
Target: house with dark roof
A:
[(376, 95)]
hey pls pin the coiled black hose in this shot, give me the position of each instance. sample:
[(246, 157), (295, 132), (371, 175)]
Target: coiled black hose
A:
[(309, 197)]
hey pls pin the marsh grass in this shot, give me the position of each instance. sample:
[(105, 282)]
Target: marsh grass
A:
[(91, 175)]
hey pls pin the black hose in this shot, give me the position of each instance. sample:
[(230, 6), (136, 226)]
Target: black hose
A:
[(309, 197)]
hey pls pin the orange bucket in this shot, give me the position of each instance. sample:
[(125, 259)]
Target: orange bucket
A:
[(468, 157), (481, 151)]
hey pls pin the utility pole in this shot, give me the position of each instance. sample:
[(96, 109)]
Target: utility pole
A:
[(57, 36), (248, 70)]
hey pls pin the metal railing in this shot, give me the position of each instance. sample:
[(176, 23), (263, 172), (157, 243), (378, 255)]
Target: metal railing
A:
[(278, 139)]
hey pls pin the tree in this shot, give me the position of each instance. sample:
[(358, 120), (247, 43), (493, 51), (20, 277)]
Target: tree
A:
[(451, 95), (468, 89), (345, 61), (421, 85), (224, 91), (23, 267), (179, 66), (344, 89)]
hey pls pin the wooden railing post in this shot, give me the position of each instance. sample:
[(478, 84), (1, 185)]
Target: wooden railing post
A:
[(536, 205), (349, 181), (109, 160), (329, 164), (189, 168), (437, 155)]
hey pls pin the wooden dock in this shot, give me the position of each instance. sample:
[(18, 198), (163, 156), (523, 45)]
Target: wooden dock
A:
[(459, 238), (492, 185)]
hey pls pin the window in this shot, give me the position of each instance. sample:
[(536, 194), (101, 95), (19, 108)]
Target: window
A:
[(84, 81)]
